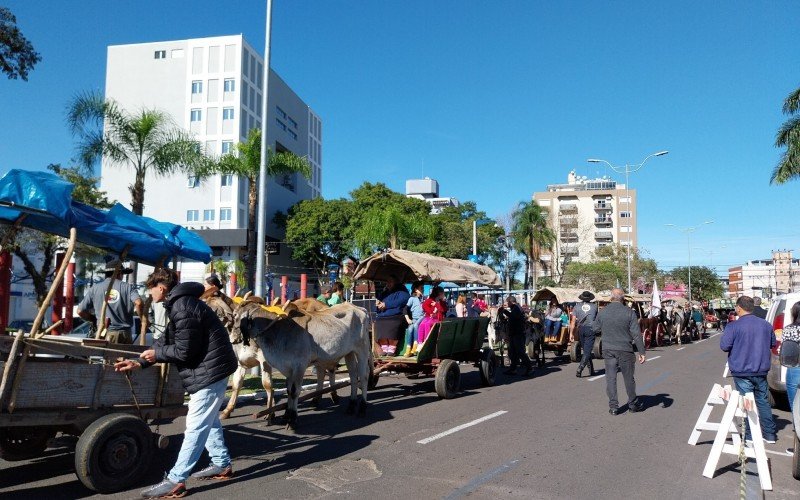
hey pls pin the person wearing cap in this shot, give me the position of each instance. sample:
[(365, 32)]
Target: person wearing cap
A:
[(582, 320), (622, 345), (122, 301), (512, 313)]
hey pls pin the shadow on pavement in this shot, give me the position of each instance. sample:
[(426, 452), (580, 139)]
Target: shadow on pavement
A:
[(649, 401)]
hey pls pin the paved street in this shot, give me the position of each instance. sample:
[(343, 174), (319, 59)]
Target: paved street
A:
[(549, 436)]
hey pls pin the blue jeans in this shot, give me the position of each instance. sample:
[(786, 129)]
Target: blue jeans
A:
[(758, 386), (203, 429), (792, 381), (551, 328)]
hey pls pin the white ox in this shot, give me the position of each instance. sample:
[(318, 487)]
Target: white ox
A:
[(311, 336)]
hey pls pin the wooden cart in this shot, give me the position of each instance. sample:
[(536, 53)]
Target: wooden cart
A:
[(537, 343), (451, 341), (56, 384), (67, 386)]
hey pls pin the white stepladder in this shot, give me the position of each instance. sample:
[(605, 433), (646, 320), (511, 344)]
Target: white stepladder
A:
[(738, 406), (717, 397)]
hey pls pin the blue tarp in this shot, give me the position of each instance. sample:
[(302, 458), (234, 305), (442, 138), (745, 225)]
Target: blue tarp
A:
[(47, 201)]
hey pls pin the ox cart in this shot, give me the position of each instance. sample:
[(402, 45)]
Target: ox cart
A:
[(451, 341), (54, 384), (536, 343)]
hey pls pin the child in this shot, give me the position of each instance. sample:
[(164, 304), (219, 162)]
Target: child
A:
[(414, 316), (435, 308)]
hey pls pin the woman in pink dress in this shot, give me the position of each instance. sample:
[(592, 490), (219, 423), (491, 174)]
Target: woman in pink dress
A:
[(434, 308)]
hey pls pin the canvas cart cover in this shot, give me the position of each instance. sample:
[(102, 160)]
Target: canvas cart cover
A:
[(561, 295), (46, 202), (410, 266)]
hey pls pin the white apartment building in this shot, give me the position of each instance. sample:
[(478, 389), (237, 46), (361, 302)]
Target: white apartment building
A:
[(586, 214), (212, 87), (427, 189)]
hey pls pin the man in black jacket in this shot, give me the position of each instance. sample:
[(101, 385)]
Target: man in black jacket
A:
[(621, 334), (197, 343), (516, 334)]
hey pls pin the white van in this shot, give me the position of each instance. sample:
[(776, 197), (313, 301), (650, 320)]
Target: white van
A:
[(779, 314)]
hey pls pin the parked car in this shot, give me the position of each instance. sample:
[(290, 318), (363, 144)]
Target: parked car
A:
[(779, 314)]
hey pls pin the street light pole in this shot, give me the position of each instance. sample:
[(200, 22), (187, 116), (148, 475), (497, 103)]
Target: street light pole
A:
[(688, 232), (627, 169), (261, 232)]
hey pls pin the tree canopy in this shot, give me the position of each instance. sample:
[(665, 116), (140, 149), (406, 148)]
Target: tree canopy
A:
[(17, 55), (705, 283), (788, 137)]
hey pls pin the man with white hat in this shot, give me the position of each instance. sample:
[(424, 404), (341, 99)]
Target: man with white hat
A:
[(122, 300)]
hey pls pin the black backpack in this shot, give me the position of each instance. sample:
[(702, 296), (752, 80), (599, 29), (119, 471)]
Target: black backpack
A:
[(790, 354)]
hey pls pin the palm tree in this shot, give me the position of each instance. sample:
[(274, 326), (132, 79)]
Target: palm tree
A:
[(531, 234), (245, 161), (146, 141), (391, 227), (789, 137)]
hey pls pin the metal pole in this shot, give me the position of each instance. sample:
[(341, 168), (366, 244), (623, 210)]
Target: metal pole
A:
[(475, 237), (508, 273), (689, 243), (261, 232), (630, 221)]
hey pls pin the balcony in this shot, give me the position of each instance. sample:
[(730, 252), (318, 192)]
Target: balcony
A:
[(568, 208), (568, 236), (568, 221), (569, 252), (604, 221), (602, 206), (603, 235)]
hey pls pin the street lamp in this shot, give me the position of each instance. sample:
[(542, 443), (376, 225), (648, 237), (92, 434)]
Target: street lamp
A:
[(711, 256), (688, 232), (627, 169)]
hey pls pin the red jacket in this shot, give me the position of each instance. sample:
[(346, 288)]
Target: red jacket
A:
[(434, 309)]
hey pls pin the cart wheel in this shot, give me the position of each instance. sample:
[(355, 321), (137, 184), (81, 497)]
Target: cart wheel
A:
[(597, 350), (448, 379), (22, 443), (488, 367), (796, 458), (648, 338), (373, 380), (113, 452), (574, 350), (659, 335)]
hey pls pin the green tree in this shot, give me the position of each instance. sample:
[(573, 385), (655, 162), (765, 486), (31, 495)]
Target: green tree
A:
[(788, 137), (532, 234), (224, 268), (17, 55), (320, 232), (643, 270), (391, 227), (245, 161), (597, 275), (705, 282), (453, 233), (146, 141), (85, 190)]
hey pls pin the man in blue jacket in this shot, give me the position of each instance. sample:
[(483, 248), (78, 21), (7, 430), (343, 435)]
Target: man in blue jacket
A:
[(748, 341)]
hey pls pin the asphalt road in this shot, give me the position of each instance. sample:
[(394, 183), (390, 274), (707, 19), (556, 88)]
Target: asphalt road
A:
[(549, 436)]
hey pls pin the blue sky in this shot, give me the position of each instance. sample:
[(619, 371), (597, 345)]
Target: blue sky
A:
[(495, 99)]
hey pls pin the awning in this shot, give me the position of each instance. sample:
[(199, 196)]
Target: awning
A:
[(410, 266), (46, 202), (561, 295)]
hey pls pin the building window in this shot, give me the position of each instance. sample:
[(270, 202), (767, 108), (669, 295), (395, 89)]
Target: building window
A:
[(293, 134), (226, 147), (292, 122), (197, 87), (227, 113), (625, 215), (280, 124), (196, 115), (193, 181), (230, 85), (208, 215), (160, 54), (280, 112), (224, 214), (227, 180), (192, 215)]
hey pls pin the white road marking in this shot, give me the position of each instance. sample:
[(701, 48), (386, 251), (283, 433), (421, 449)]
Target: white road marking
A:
[(711, 337), (597, 377), (680, 348), (461, 427), (779, 453), (651, 359)]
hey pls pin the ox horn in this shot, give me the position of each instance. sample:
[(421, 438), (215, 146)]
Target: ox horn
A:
[(247, 295), (276, 301)]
